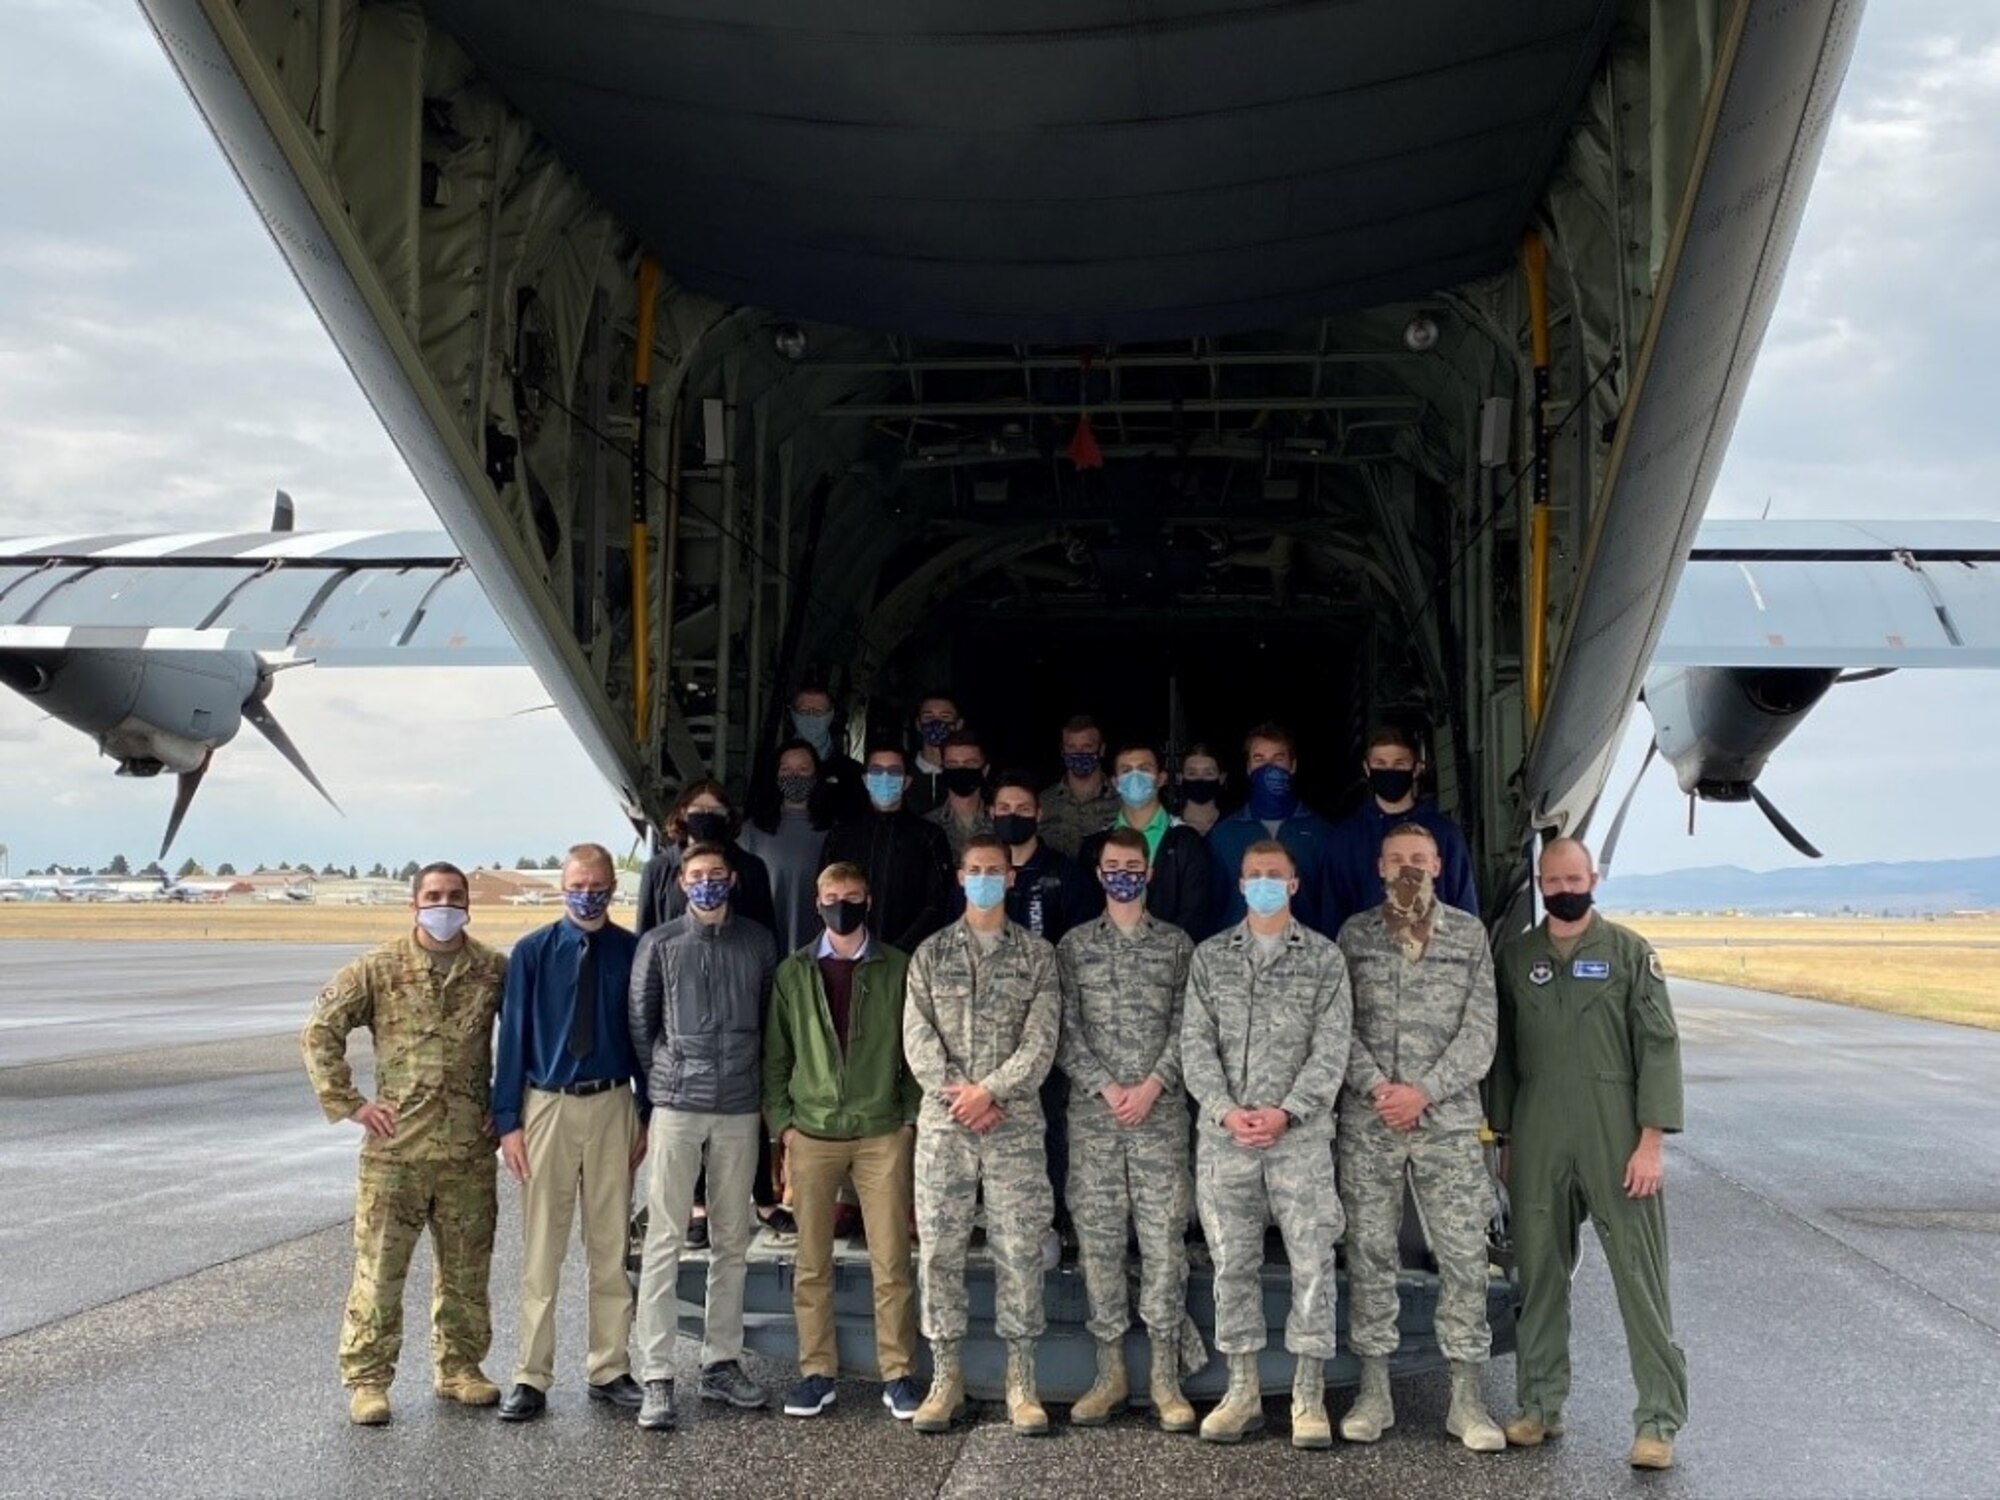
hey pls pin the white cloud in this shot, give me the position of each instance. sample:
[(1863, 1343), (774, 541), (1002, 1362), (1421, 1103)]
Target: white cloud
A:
[(159, 371)]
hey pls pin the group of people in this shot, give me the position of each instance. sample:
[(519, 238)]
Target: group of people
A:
[(1017, 997)]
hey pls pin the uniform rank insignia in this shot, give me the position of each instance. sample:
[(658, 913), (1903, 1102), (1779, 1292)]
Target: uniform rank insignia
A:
[(1541, 971), (1591, 968), (1653, 966)]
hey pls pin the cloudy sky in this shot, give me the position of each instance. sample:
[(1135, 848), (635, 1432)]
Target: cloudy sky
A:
[(159, 371)]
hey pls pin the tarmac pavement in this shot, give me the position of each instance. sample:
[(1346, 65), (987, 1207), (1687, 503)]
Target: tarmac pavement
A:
[(172, 1227)]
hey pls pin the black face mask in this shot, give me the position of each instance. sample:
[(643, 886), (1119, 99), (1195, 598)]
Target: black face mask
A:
[(963, 781), (1014, 829), (1568, 906), (1201, 790), (1391, 786), (707, 827), (843, 917)]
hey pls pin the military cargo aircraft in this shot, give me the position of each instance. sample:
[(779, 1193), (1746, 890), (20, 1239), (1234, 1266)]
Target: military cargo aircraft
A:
[(1346, 362)]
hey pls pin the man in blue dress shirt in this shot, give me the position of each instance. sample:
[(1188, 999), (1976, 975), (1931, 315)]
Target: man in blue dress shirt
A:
[(1394, 767), (569, 1099)]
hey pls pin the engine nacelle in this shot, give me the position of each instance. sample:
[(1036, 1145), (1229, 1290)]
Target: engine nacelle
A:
[(151, 711), (1717, 726)]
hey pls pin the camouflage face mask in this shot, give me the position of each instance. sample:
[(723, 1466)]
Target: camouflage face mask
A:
[(1412, 901)]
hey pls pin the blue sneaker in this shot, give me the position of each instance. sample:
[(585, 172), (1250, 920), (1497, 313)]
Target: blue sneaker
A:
[(902, 1398), (810, 1397)]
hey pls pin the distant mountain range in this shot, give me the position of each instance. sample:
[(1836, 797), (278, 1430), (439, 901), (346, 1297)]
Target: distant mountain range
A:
[(1923, 885)]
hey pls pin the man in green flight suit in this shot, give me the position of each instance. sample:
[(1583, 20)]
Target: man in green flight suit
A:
[(1586, 1086)]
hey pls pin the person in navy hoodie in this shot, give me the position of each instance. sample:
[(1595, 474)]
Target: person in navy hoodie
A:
[(1273, 811), (1394, 767)]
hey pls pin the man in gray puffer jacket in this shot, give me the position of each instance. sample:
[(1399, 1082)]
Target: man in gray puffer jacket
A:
[(700, 987)]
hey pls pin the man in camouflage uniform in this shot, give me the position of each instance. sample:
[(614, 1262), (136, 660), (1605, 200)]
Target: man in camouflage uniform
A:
[(980, 1023), (1124, 977), (1424, 1024), (1264, 1049), (1083, 801), (428, 999)]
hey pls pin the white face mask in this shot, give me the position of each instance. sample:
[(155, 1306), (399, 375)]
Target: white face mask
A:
[(443, 923)]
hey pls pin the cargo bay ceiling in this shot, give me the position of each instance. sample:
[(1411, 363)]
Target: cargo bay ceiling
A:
[(733, 340)]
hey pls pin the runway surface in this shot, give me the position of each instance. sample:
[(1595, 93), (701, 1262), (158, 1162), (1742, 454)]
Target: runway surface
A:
[(172, 1224)]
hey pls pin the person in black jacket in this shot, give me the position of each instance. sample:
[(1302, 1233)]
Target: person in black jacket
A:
[(1180, 887), (816, 721), (701, 984), (907, 860), (703, 814)]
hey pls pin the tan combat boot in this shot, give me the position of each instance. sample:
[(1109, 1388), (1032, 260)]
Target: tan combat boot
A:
[(1024, 1412), (947, 1394), (1310, 1428), (1242, 1408), (1169, 1405), (1651, 1451), (1529, 1430), (1468, 1420), (467, 1388), (368, 1406), (1095, 1406), (1374, 1410)]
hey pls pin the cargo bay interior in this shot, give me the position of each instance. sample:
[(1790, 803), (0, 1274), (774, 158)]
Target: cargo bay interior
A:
[(1189, 367)]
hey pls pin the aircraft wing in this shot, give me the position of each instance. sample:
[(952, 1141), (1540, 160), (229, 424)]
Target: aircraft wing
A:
[(337, 598), (1837, 594)]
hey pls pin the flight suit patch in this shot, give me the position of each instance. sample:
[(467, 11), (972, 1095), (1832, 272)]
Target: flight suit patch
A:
[(1590, 968), (1653, 966), (1541, 971)]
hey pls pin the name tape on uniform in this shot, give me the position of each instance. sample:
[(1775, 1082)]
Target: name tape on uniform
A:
[(1590, 968)]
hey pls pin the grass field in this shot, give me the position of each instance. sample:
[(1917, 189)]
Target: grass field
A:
[(1947, 969), (250, 921)]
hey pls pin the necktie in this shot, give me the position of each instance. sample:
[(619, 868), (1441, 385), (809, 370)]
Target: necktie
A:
[(583, 1028)]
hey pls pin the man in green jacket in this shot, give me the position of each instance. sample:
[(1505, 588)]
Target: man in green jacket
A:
[(840, 1102), (1586, 1086)]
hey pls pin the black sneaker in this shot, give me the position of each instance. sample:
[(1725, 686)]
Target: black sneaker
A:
[(697, 1235), (725, 1381), (656, 1413), (809, 1397), (902, 1398)]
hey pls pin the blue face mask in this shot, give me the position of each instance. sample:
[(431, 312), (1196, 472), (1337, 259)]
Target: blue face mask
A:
[(1137, 788), (815, 729), (1271, 796), (1124, 885), (885, 788), (1081, 762), (1266, 894), (934, 731), (985, 892), (587, 906), (708, 895)]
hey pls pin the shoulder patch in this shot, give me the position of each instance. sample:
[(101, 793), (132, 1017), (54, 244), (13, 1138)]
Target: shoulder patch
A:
[(1541, 971), (1653, 965)]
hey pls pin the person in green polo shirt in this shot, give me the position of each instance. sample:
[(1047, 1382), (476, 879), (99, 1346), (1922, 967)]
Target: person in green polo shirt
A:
[(1586, 1086), (1178, 885), (840, 1102)]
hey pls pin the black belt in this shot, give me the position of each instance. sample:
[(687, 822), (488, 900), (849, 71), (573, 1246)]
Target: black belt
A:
[(582, 1090)]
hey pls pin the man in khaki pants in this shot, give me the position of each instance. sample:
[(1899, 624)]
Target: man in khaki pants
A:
[(839, 1101), (568, 1094), (699, 987)]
